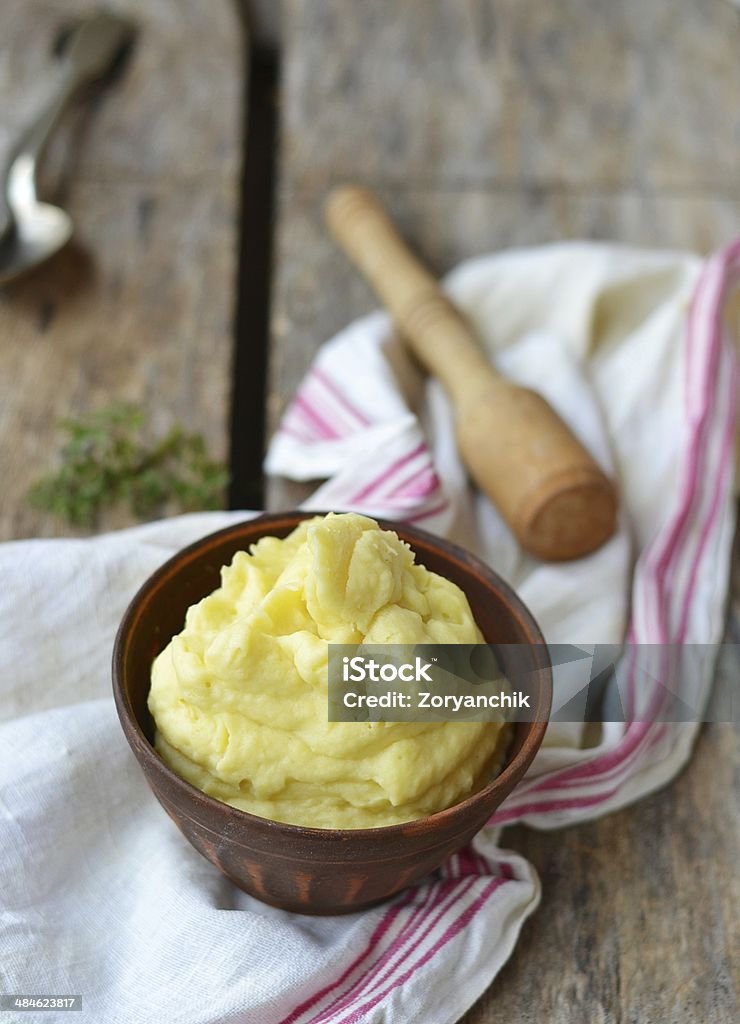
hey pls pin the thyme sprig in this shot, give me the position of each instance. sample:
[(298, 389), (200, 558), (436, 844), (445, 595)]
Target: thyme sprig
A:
[(109, 457)]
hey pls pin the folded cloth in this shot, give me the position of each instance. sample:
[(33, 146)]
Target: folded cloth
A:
[(100, 895)]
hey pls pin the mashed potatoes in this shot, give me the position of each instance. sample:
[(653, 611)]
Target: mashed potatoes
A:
[(239, 697)]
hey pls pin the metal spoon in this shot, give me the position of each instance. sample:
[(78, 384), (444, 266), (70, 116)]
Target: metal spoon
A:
[(32, 231)]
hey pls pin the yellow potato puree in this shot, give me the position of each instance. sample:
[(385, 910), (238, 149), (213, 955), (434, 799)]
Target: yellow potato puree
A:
[(239, 697)]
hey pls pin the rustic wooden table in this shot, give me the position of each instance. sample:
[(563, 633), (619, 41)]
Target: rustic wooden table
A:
[(482, 125)]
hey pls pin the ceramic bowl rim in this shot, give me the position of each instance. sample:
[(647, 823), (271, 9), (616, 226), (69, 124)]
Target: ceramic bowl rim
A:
[(149, 758)]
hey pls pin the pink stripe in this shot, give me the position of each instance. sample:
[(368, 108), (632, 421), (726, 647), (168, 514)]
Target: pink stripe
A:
[(454, 929), (454, 892), (428, 514), (715, 275), (604, 776), (507, 871), (330, 410), (379, 932), (361, 987), (725, 464), (422, 471), (299, 435), (468, 861), (388, 472), (604, 763), (672, 538), (330, 385), (698, 448), (653, 733), (423, 488), (657, 560), (638, 745), (484, 868), (324, 429), (458, 894), (566, 804)]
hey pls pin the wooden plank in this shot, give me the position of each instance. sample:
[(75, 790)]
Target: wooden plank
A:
[(488, 125), (140, 305), (582, 92)]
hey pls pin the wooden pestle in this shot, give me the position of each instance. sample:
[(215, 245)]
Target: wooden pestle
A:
[(549, 489)]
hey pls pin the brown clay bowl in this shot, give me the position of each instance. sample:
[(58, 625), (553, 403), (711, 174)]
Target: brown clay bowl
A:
[(312, 870)]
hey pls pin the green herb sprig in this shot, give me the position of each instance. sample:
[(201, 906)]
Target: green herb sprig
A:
[(109, 457)]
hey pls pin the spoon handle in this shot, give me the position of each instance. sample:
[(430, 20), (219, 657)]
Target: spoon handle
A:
[(92, 48)]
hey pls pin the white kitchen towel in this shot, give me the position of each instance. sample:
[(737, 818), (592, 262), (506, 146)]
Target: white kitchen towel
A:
[(99, 893)]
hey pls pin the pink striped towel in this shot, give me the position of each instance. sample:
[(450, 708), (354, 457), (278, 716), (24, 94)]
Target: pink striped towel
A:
[(654, 397), (101, 896)]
